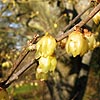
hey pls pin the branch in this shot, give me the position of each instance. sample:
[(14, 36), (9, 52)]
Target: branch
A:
[(12, 77), (76, 18), (80, 24), (23, 54), (16, 75)]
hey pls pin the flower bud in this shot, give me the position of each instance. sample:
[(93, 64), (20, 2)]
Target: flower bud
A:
[(91, 41), (45, 46), (76, 44), (47, 64)]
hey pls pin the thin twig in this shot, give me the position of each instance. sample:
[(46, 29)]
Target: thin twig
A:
[(76, 18), (12, 77), (23, 54), (80, 24), (16, 75)]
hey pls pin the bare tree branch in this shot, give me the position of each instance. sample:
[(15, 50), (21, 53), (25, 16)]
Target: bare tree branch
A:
[(77, 17), (12, 77), (80, 24), (23, 54), (16, 75)]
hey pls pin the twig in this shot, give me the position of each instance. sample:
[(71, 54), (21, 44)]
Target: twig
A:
[(76, 18), (23, 54), (16, 75), (12, 77), (80, 24)]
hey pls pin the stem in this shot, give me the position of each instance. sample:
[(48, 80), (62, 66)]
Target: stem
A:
[(12, 77), (80, 24), (75, 19), (21, 58), (20, 72)]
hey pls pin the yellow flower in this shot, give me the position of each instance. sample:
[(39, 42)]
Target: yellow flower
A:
[(47, 64), (76, 44), (45, 46), (91, 41)]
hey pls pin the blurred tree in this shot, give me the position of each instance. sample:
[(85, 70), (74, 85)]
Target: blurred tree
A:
[(21, 19)]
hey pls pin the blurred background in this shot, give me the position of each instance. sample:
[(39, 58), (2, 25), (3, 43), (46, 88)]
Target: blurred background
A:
[(75, 78)]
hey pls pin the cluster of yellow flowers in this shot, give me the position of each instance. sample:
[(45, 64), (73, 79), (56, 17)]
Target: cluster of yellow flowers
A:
[(79, 43), (45, 52)]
